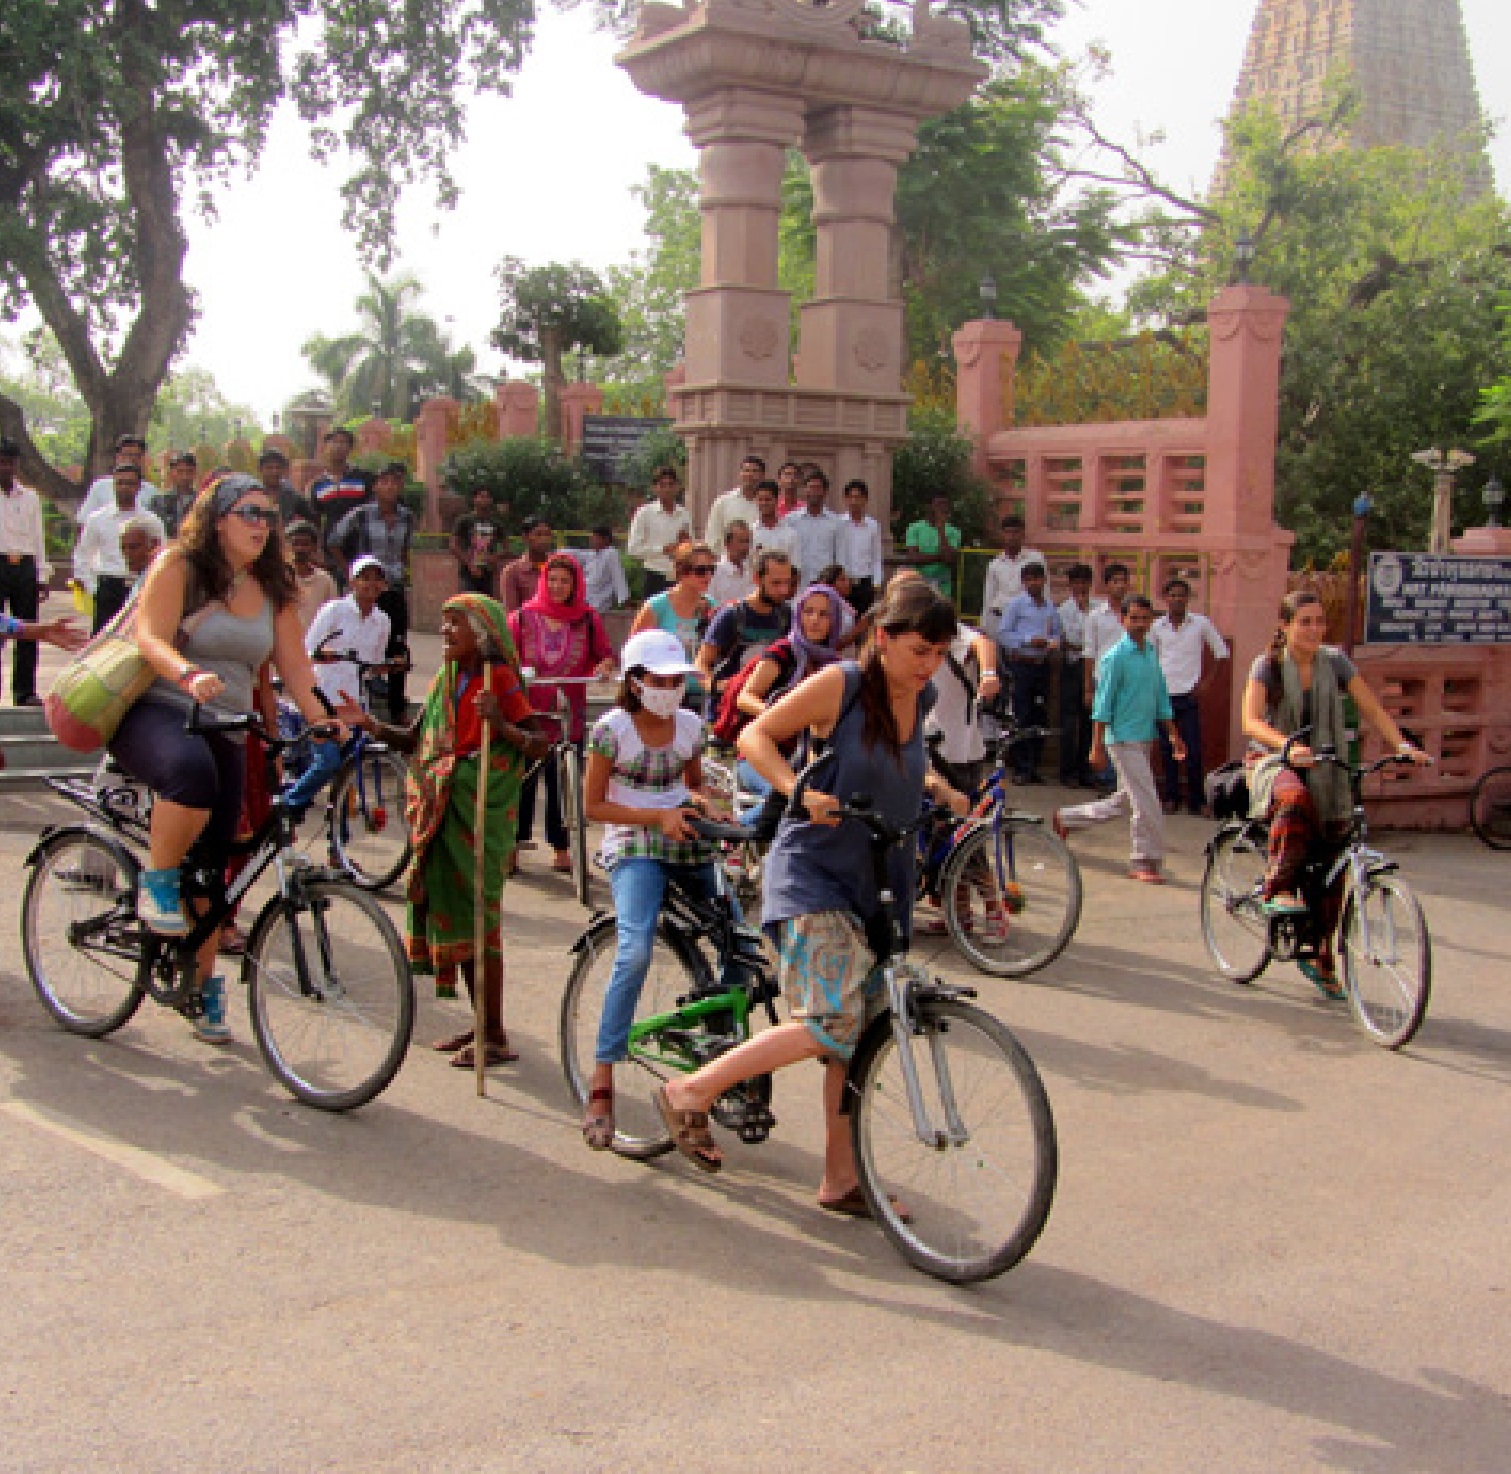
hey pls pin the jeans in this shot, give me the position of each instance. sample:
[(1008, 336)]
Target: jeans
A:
[(325, 758), (638, 885), (18, 593), (1187, 712)]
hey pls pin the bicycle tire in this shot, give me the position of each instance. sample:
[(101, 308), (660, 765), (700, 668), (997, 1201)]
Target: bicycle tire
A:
[(330, 994), (79, 931), (1030, 895), (574, 817), (676, 970), (1388, 1001), (365, 821), (977, 1207), (1236, 931), (1490, 808)]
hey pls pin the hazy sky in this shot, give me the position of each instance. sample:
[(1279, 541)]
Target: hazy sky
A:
[(546, 175)]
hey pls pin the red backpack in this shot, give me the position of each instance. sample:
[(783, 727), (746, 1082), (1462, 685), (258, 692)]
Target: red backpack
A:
[(731, 721)]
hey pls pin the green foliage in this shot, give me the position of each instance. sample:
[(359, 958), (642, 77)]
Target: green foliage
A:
[(936, 458), (553, 309), (530, 476), (1494, 412), (662, 447), (1148, 377), (190, 410)]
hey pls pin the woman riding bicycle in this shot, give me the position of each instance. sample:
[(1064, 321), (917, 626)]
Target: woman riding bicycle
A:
[(1300, 682), (214, 606), (821, 903)]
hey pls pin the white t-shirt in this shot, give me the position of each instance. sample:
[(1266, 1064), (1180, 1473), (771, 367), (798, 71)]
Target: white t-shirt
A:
[(732, 506), (953, 713), (341, 627), (730, 583), (1104, 628), (1004, 581), (1179, 649)]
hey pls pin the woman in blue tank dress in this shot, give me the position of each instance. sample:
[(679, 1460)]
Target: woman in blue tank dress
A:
[(820, 891)]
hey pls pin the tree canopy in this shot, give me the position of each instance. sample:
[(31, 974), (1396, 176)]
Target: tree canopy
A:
[(118, 115)]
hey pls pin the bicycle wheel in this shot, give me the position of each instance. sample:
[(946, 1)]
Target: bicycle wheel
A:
[(573, 815), (1490, 808), (330, 993), (1387, 960), (676, 970), (1235, 929), (1012, 897), (368, 831), (975, 1205), (80, 933)]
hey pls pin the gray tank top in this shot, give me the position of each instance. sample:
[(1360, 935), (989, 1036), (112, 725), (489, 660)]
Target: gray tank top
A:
[(813, 867), (233, 646)]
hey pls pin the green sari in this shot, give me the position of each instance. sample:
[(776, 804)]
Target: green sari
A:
[(441, 804)]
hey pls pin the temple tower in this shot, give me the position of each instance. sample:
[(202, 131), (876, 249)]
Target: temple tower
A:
[(1409, 60)]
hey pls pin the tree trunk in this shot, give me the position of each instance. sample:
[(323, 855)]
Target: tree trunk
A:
[(550, 357)]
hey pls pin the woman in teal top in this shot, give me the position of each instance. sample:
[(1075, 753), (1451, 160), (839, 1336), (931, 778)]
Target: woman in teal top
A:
[(684, 610)]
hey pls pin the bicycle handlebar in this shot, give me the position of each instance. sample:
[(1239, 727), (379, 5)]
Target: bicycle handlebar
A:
[(1356, 771), (204, 723), (860, 808)]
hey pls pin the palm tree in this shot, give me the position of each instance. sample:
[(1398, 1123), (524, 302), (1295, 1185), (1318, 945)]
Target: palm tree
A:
[(394, 359)]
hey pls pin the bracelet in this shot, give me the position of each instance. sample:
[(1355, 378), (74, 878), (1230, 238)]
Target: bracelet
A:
[(188, 675)]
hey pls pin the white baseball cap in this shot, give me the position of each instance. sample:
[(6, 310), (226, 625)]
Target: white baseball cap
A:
[(362, 564), (658, 651)]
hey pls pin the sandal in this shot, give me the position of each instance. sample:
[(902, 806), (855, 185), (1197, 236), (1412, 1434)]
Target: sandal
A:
[(1326, 982), (562, 861), (853, 1204), (598, 1127), (690, 1134), (493, 1054), (1285, 904)]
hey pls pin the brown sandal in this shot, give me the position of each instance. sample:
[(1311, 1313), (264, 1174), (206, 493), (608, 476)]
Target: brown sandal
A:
[(690, 1134), (598, 1127)]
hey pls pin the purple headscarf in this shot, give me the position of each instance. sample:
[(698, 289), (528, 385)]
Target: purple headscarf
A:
[(812, 657)]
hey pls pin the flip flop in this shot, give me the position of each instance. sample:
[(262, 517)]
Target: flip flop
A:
[(853, 1204), (493, 1054), (1326, 983), (598, 1130), (1283, 906), (690, 1134)]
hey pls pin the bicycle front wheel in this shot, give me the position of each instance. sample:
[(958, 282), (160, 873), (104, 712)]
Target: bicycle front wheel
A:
[(331, 995), (368, 831), (1387, 960), (1233, 925), (80, 933), (574, 817), (969, 1203), (656, 1052), (1490, 808), (1012, 897)]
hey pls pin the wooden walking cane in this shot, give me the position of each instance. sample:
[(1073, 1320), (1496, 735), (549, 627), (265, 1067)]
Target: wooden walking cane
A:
[(479, 961)]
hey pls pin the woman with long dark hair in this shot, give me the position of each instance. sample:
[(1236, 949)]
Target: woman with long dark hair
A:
[(820, 890)]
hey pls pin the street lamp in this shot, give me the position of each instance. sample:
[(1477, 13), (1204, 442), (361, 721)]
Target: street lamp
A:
[(988, 291), (1444, 465), (1243, 257), (1495, 498), (1363, 506)]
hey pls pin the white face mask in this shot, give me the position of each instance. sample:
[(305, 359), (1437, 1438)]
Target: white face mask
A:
[(660, 701)]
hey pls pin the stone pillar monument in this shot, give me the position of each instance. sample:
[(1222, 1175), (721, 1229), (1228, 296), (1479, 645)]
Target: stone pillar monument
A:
[(757, 77), (577, 402), (430, 451)]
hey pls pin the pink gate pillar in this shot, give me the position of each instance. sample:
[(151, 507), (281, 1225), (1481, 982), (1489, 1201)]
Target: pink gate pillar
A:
[(430, 451), (518, 408), (373, 435), (986, 358), (577, 402)]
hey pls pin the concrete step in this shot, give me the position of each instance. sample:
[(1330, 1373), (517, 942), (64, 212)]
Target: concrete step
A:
[(32, 754)]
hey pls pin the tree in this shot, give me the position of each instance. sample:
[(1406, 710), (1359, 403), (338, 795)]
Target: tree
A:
[(396, 359), (115, 113), (191, 411), (548, 311)]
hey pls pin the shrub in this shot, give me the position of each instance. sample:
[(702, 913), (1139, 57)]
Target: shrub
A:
[(936, 458), (533, 477)]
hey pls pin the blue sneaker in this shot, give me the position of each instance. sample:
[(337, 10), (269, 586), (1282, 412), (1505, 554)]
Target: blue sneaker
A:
[(210, 1027), (159, 904)]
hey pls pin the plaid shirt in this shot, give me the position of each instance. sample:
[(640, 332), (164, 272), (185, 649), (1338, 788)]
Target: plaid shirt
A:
[(656, 772)]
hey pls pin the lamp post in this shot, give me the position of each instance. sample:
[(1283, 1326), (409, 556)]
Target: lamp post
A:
[(1444, 465), (1243, 258), (988, 290), (1363, 506), (1494, 496)]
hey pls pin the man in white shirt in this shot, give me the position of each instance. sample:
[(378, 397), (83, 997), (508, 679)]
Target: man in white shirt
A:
[(859, 547), (657, 528), (1075, 715), (770, 529), (98, 562), (604, 584), (24, 569), (129, 450), (816, 528), (739, 504), (1181, 640), (734, 578), (1004, 574), (353, 625)]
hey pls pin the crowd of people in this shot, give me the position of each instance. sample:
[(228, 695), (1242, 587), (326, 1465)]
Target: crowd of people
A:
[(776, 631)]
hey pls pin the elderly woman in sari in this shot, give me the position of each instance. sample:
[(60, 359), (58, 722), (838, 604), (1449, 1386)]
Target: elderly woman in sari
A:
[(479, 681)]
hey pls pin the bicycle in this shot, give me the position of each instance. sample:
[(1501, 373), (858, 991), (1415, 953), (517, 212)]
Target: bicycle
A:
[(957, 1135), (1490, 808), (1383, 943), (742, 859), (365, 823), (329, 990), (567, 756), (1022, 873)]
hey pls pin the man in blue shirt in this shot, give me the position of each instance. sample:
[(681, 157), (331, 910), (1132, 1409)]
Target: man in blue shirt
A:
[(1132, 700), (1029, 634)]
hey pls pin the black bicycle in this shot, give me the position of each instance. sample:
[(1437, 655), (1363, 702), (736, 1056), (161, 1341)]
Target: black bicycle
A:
[(950, 1120), (329, 989), (1490, 808)]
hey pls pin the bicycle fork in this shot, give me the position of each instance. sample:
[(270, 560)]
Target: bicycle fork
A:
[(903, 988)]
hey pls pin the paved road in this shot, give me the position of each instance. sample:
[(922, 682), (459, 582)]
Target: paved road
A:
[(1275, 1246)]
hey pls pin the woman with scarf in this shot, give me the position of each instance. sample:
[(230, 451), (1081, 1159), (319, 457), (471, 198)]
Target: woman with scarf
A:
[(479, 681), (1300, 682), (558, 634)]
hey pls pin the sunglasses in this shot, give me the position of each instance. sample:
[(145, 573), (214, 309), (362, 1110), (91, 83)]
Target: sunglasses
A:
[(252, 516), (701, 570)]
